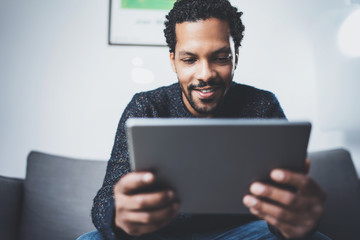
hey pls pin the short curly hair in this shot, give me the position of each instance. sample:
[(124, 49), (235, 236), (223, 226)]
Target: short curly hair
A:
[(195, 10)]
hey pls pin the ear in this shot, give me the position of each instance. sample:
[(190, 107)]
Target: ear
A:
[(172, 60), (236, 58)]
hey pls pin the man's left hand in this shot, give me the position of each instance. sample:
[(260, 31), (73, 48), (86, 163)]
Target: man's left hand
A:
[(294, 213)]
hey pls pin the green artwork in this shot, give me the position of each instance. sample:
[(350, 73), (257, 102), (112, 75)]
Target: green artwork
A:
[(148, 4)]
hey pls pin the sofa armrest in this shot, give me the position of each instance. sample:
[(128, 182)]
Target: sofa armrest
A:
[(11, 195), (335, 172)]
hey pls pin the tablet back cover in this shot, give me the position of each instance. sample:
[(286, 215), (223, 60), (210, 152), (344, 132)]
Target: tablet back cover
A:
[(210, 163)]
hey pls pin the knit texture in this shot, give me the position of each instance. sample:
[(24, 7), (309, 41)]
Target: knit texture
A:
[(241, 101)]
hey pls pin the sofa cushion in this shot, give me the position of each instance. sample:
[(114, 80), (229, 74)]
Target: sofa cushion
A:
[(335, 172), (58, 194), (11, 194)]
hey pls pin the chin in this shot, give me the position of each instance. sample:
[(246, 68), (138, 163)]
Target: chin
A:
[(205, 109)]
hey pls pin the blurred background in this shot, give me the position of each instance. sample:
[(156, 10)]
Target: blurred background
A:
[(63, 88)]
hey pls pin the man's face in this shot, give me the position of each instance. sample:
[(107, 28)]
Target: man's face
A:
[(204, 61)]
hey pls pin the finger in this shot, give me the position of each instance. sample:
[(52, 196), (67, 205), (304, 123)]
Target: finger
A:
[(290, 230), (145, 201), (282, 196), (292, 201), (307, 165), (138, 229), (298, 180), (139, 223), (262, 208), (289, 227), (134, 181), (158, 216)]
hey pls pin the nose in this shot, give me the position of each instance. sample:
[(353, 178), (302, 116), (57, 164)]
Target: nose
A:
[(205, 72)]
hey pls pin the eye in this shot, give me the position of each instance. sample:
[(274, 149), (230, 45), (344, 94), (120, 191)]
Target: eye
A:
[(188, 60), (223, 59)]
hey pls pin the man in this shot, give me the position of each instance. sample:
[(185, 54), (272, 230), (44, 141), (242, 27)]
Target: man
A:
[(204, 38)]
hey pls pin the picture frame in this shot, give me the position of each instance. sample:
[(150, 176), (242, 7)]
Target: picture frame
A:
[(138, 22)]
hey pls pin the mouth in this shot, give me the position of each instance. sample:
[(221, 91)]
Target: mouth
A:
[(206, 93)]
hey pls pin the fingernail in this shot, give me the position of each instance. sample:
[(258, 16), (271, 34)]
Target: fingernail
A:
[(171, 194), (257, 188), (147, 177), (278, 175), (250, 201)]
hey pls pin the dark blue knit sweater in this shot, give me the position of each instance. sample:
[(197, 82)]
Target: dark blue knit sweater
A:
[(241, 101)]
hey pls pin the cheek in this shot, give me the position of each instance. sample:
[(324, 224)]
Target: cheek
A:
[(185, 75), (227, 73)]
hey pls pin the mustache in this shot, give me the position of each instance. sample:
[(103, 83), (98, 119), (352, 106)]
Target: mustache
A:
[(210, 83)]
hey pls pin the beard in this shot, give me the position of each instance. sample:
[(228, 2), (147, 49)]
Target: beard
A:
[(203, 106)]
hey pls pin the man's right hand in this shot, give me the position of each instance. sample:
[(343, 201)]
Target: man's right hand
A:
[(139, 212)]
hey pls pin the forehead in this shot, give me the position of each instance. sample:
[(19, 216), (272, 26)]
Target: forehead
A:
[(208, 33)]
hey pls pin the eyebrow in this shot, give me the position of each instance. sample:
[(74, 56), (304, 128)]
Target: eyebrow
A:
[(220, 50)]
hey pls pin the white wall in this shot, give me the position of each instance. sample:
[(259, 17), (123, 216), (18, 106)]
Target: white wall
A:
[(63, 88)]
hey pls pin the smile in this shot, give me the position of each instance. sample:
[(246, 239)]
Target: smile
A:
[(206, 93), (206, 90)]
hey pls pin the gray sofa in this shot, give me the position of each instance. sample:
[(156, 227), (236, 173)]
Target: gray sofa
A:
[(55, 199)]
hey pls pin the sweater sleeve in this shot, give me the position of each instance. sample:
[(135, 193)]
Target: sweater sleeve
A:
[(118, 165)]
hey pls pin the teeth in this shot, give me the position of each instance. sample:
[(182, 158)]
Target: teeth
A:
[(206, 90)]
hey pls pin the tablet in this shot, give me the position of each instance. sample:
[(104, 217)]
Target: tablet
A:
[(210, 163)]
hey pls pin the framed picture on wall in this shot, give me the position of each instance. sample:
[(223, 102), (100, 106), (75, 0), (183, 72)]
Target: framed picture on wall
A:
[(138, 22)]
